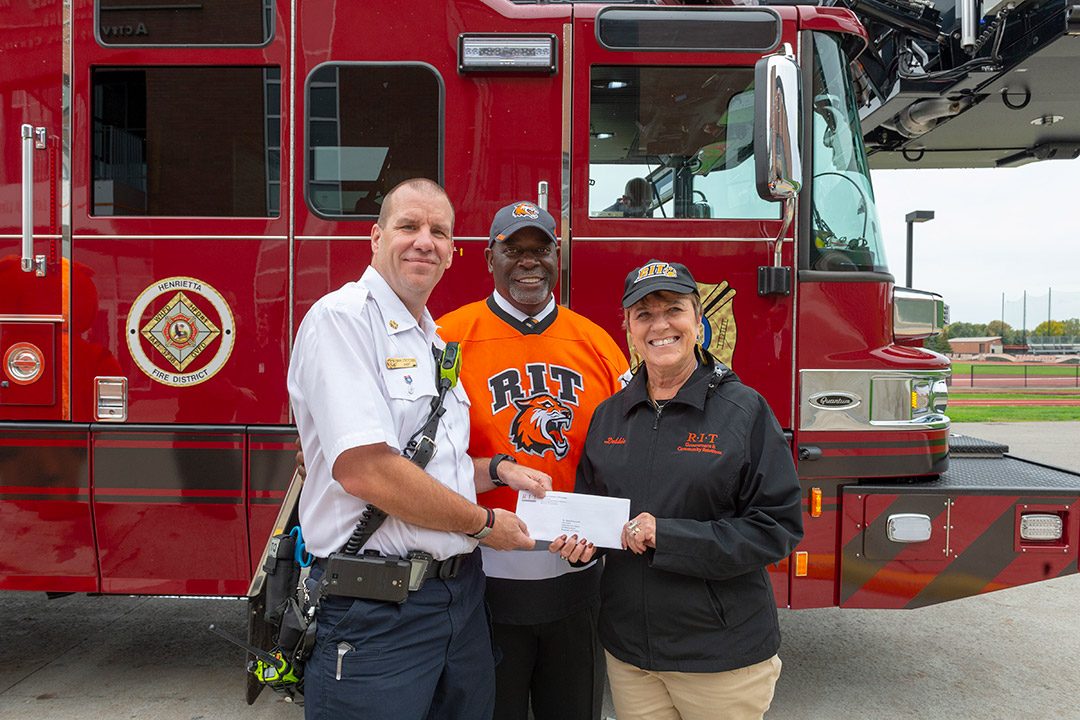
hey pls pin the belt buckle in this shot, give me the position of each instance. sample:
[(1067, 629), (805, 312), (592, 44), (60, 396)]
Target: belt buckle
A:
[(420, 561), (426, 445)]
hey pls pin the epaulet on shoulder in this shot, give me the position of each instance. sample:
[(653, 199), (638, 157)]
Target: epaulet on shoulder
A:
[(352, 297)]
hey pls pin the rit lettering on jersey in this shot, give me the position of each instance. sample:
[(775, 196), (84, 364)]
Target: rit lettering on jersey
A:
[(545, 413)]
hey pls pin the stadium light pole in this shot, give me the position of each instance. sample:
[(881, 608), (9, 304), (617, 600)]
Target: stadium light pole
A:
[(915, 216)]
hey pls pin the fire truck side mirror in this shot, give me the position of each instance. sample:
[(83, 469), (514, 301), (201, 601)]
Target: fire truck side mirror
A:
[(777, 160)]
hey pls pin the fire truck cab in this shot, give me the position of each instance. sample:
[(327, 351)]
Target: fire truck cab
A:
[(179, 184)]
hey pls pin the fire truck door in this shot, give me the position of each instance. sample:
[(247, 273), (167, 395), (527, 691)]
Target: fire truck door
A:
[(383, 99), (180, 258), (45, 519), (32, 275), (662, 168)]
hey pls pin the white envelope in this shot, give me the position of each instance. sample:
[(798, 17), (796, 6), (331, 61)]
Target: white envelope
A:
[(598, 519)]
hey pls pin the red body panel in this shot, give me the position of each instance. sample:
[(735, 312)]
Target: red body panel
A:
[(169, 512), (46, 530)]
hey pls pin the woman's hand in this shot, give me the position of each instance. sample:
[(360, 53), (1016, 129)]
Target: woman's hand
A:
[(572, 548), (639, 534)]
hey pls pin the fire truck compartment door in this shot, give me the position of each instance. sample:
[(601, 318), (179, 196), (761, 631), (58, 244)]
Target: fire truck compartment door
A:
[(992, 523), (30, 368)]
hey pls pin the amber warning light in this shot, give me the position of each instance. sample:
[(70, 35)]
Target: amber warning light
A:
[(815, 502), (802, 562), (506, 53)]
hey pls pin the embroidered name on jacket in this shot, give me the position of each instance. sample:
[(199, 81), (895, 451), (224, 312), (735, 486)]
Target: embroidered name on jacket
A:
[(544, 416), (700, 442)]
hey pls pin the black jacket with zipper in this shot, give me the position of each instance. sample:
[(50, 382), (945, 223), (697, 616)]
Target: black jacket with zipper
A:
[(715, 470)]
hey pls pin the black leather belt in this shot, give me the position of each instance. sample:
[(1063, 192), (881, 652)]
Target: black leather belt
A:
[(445, 569), (442, 569)]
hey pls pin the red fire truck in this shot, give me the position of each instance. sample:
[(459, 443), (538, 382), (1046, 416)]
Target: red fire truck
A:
[(180, 182)]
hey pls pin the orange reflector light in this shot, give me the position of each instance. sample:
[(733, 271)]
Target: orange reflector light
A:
[(802, 559), (815, 502)]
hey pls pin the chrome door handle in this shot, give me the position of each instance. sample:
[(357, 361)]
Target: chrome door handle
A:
[(542, 195), (32, 138)]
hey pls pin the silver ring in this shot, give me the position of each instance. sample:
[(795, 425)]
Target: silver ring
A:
[(635, 531), (632, 526)]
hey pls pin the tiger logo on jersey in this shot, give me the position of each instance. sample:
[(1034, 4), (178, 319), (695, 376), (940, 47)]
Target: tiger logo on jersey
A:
[(539, 425)]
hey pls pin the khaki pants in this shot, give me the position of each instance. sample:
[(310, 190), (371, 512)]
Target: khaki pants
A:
[(742, 694)]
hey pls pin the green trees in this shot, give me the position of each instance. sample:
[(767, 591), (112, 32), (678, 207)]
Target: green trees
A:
[(1049, 328), (1008, 335), (1004, 330)]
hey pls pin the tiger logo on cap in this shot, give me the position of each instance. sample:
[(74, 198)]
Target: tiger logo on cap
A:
[(526, 210)]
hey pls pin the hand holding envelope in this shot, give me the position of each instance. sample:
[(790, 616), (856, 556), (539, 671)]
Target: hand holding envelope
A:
[(597, 518)]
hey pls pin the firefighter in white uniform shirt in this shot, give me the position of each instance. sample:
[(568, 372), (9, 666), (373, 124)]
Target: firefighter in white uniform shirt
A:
[(361, 381)]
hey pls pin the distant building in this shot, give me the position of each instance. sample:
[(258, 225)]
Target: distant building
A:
[(976, 346)]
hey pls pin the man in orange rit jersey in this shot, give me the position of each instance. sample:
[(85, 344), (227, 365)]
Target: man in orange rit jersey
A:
[(534, 373)]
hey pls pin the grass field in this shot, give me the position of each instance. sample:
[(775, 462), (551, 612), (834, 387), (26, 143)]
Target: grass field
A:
[(1001, 395), (1006, 368), (1009, 413)]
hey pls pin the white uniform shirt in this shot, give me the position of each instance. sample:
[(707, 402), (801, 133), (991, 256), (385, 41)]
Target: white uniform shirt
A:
[(353, 382)]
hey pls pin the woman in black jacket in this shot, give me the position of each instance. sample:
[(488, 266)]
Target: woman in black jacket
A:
[(688, 617)]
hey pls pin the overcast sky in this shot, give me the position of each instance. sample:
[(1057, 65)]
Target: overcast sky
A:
[(995, 231)]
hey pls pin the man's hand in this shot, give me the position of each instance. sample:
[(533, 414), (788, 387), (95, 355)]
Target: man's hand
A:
[(521, 477), (518, 477), (300, 467), (509, 532)]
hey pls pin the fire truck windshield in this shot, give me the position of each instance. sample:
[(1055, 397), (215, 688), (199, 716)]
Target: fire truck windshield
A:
[(845, 232), (673, 142)]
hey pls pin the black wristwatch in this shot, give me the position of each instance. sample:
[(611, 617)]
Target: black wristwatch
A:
[(493, 468)]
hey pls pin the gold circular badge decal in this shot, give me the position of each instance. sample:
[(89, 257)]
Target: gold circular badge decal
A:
[(180, 331)]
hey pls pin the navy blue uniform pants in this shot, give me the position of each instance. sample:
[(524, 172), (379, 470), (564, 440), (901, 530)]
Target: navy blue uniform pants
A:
[(428, 658)]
